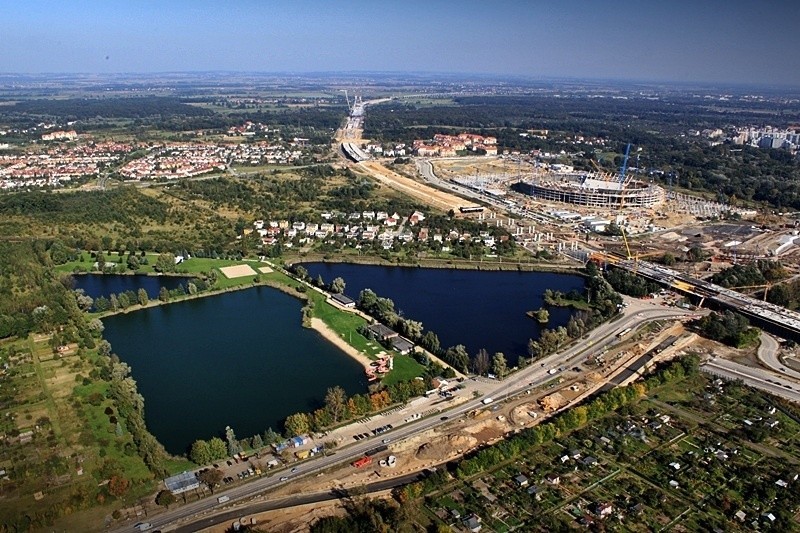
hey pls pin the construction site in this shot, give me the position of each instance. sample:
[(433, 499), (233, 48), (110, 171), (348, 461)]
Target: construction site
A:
[(553, 207)]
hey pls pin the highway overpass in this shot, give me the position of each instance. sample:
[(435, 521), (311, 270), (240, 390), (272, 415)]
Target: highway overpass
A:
[(777, 319)]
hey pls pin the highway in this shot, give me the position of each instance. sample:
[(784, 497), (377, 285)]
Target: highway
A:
[(780, 318), (636, 314), (754, 377), (768, 355)]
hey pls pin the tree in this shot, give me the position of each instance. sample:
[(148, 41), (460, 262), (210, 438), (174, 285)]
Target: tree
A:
[(211, 478), (163, 294), (233, 444), (114, 303), (217, 448), (124, 301), (297, 424), (430, 341), (85, 301), (457, 357), (141, 296), (696, 254), (104, 348), (165, 498), (258, 442), (271, 437), (320, 281), (499, 365), (165, 263), (118, 486), (101, 304), (200, 452), (541, 315), (301, 272), (335, 402), (480, 365), (337, 285), (412, 329), (133, 262)]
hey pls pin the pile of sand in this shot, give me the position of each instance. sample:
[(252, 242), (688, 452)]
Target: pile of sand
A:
[(442, 448), (237, 271)]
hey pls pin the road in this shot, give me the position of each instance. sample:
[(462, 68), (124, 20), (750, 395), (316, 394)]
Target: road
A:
[(754, 377), (636, 314), (293, 501), (768, 355)]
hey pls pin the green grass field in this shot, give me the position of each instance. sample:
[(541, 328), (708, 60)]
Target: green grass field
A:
[(405, 369)]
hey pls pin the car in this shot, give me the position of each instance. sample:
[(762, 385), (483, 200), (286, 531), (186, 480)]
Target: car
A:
[(230, 463), (294, 470), (444, 418), (284, 478), (216, 465), (143, 526), (385, 441)]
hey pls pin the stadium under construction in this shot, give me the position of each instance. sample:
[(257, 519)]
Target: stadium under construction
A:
[(591, 190)]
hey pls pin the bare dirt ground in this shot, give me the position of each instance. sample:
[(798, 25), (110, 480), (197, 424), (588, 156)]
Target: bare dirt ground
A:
[(420, 191), (291, 520)]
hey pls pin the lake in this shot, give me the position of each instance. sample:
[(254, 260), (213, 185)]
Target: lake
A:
[(107, 284), (476, 308), (241, 359)]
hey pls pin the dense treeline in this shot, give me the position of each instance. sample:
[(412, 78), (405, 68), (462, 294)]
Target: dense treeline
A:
[(33, 297), (630, 284), (757, 273), (123, 205), (87, 108), (728, 327)]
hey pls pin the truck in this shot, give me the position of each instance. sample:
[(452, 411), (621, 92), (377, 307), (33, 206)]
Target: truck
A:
[(487, 401), (364, 461), (223, 499)]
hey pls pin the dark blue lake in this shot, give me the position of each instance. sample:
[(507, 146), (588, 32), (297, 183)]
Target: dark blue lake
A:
[(240, 359), (478, 309), (107, 284)]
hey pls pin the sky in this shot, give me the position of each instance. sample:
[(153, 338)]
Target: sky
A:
[(718, 41)]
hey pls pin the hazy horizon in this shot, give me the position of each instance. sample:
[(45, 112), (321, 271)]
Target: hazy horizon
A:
[(716, 42)]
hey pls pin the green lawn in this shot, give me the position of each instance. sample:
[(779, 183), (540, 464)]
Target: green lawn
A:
[(405, 369)]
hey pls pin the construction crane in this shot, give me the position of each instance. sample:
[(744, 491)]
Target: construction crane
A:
[(624, 166), (622, 182), (625, 239), (347, 98), (765, 286)]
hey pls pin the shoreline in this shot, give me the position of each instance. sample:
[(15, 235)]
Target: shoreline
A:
[(489, 266), (330, 335)]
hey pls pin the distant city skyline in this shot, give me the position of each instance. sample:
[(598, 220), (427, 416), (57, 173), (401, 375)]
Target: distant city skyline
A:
[(714, 41)]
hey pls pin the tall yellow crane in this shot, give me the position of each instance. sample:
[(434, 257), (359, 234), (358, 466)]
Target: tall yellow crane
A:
[(627, 248)]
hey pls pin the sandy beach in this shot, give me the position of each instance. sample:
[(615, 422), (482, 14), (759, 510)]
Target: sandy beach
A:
[(323, 329)]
